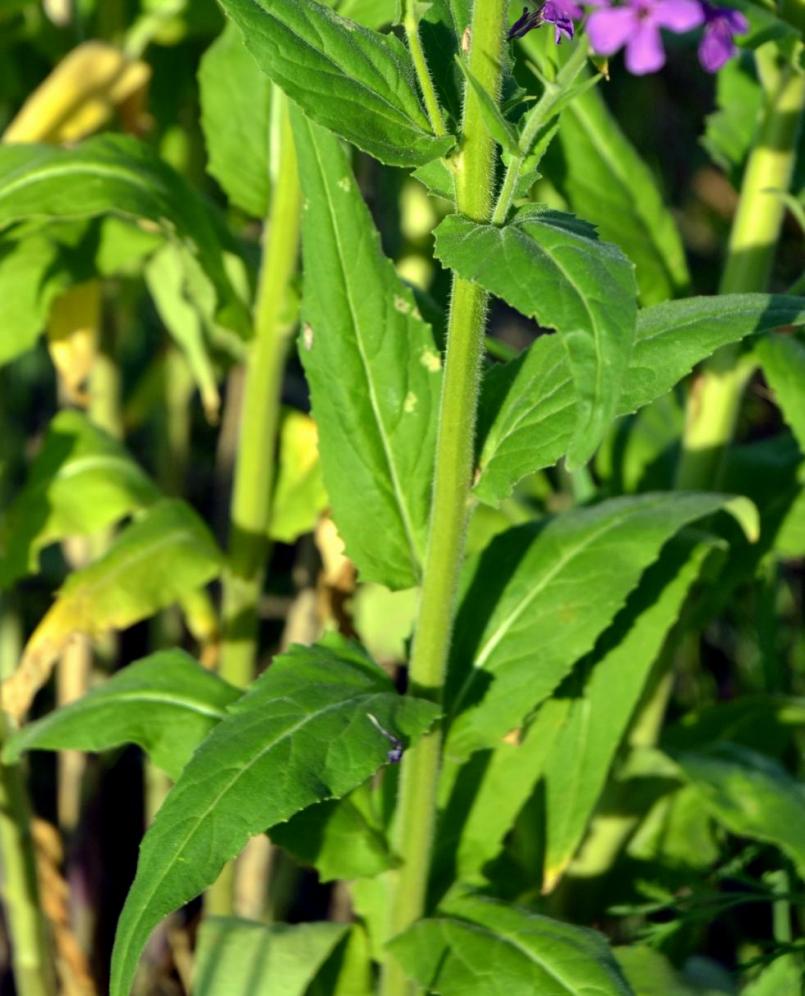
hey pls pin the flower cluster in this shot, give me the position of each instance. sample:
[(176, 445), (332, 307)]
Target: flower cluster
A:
[(636, 24)]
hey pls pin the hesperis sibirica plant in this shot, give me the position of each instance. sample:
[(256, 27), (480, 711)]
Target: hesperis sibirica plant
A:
[(403, 494)]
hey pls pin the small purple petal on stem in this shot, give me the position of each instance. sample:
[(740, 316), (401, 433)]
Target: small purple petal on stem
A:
[(555, 13), (717, 45), (610, 29), (677, 15), (644, 52)]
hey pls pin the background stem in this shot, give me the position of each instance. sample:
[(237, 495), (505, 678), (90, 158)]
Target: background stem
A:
[(416, 812)]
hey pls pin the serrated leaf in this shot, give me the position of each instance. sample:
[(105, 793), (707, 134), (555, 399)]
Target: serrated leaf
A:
[(730, 129), (344, 76), (81, 481), (154, 562), (299, 496), (538, 598), (597, 169), (301, 734), (235, 957), (166, 703), (783, 360), (527, 413), (373, 369), (118, 175), (551, 267), (599, 714), (750, 794), (235, 116), (482, 947)]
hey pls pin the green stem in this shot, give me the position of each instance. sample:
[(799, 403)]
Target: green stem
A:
[(254, 471), (543, 111), (411, 26), (714, 403), (416, 811)]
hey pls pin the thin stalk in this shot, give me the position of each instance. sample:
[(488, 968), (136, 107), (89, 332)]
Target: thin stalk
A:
[(542, 112), (416, 811), (411, 27), (713, 405), (254, 469)]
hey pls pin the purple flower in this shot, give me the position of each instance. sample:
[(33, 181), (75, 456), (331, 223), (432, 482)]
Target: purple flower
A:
[(717, 46), (637, 25), (559, 13)]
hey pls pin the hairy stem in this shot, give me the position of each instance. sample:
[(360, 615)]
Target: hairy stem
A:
[(254, 470), (416, 812), (411, 26), (713, 404)]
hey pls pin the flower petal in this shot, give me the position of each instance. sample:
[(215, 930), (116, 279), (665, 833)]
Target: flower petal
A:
[(716, 47), (609, 30), (644, 53), (677, 15)]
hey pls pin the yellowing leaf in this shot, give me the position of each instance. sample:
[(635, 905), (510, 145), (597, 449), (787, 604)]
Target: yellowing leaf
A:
[(299, 498), (81, 95), (73, 337)]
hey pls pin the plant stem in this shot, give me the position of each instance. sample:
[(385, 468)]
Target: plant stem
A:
[(411, 26), (254, 471), (713, 404), (539, 116), (416, 811)]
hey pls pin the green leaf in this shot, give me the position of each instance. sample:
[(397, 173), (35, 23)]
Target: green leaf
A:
[(783, 360), (481, 947), (599, 172), (339, 838), (373, 369), (235, 957), (784, 975), (538, 598), (299, 496), (730, 129), (598, 717), (750, 794), (649, 972), (527, 409), (235, 115), (301, 734), (81, 481), (116, 174), (498, 127), (552, 267), (348, 78), (166, 703), (370, 13)]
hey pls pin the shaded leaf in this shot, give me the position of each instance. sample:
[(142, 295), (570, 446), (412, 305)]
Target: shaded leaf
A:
[(552, 267), (235, 115), (649, 972), (166, 703), (750, 794), (344, 76), (154, 562), (301, 734), (115, 174), (373, 370), (235, 956), (81, 481), (729, 130), (481, 947), (783, 360), (537, 599), (527, 409)]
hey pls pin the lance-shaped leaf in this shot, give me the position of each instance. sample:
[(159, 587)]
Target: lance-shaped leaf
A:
[(477, 946), (346, 77), (166, 703), (596, 718), (301, 734), (750, 794), (235, 115), (598, 170), (235, 957), (552, 267), (114, 174), (165, 555), (540, 595), (527, 409), (81, 481), (373, 370), (783, 360)]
